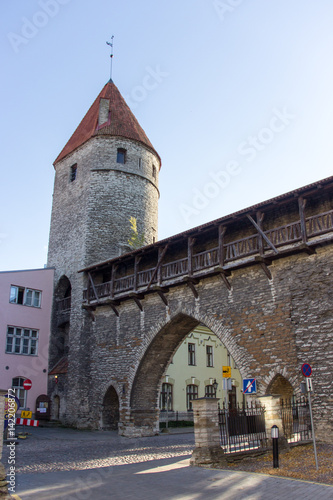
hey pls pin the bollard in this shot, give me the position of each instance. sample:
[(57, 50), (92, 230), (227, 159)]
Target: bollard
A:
[(275, 439)]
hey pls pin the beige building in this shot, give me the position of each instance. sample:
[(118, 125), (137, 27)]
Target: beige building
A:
[(200, 361)]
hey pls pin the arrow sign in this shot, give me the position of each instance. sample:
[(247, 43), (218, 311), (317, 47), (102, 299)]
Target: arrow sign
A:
[(249, 386)]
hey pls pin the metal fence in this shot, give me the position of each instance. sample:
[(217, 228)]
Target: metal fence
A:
[(296, 420), (242, 428)]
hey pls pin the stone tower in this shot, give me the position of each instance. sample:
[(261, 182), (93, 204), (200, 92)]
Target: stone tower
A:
[(106, 174)]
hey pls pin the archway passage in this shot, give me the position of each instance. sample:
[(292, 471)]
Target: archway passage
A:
[(110, 413), (280, 386)]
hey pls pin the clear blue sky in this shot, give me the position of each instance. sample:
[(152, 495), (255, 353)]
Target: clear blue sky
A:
[(236, 96)]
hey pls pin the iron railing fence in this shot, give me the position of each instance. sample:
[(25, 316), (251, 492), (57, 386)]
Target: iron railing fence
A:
[(296, 420), (242, 428)]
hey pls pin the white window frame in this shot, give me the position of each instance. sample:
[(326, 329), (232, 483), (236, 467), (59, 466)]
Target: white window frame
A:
[(22, 341), (36, 296)]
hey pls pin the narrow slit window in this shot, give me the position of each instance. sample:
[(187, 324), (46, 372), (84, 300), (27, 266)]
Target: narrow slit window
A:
[(73, 173), (121, 156)]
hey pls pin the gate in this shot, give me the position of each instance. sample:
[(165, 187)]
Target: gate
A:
[(296, 420), (242, 428)]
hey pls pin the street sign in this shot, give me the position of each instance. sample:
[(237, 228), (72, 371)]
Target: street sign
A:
[(306, 370), (309, 384), (26, 414), (27, 384), (226, 371), (249, 386)]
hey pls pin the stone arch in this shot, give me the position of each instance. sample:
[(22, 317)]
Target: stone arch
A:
[(60, 320), (63, 288), (280, 386), (110, 409), (157, 352)]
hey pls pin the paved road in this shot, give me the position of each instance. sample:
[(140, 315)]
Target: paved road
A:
[(58, 464)]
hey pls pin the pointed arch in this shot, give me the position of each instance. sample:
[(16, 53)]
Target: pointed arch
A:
[(110, 410)]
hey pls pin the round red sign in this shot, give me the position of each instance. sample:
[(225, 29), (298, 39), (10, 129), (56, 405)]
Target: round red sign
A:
[(27, 384)]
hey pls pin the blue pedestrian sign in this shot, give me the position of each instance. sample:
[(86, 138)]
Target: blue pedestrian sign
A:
[(249, 386)]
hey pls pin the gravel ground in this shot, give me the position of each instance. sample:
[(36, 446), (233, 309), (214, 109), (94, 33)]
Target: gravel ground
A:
[(48, 450), (298, 463)]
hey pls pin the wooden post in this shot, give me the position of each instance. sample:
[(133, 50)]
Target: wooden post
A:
[(260, 218), (190, 243), (222, 230), (301, 207)]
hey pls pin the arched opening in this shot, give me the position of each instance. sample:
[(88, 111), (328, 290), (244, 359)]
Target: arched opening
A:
[(156, 370), (110, 412), (61, 321), (280, 386)]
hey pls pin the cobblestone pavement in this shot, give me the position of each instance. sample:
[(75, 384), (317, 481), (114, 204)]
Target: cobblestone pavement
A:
[(57, 464)]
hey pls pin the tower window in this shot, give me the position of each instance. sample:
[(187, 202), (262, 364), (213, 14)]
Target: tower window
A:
[(121, 155), (154, 171), (73, 172)]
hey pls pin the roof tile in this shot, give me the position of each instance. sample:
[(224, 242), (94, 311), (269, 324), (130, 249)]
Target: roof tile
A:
[(121, 123)]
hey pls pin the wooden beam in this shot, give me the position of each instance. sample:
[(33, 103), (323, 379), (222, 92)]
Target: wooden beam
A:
[(222, 231), (163, 297), (113, 272), (264, 263), (261, 232), (93, 287), (138, 303), (301, 207), (225, 280), (136, 265), (159, 262), (115, 310), (190, 243), (260, 218), (190, 283)]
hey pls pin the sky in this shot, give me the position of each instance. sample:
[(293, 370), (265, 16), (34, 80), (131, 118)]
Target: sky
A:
[(235, 96)]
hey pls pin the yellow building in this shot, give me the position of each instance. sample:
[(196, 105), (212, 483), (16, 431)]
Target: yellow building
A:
[(199, 362)]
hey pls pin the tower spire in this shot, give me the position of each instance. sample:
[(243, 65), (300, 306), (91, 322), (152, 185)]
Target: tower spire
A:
[(111, 54)]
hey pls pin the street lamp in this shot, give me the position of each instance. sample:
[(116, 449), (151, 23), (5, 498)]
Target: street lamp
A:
[(275, 440), (215, 384)]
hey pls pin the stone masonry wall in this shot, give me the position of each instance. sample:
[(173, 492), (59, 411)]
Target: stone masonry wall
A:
[(270, 327), (90, 222)]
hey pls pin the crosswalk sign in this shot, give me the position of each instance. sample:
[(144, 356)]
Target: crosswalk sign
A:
[(249, 386)]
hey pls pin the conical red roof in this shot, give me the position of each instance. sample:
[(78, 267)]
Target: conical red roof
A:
[(121, 123)]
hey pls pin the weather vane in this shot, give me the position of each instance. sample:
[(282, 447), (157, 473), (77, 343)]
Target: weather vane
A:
[(111, 55)]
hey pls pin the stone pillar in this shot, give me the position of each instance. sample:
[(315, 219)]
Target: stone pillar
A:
[(3, 481), (208, 450), (273, 417)]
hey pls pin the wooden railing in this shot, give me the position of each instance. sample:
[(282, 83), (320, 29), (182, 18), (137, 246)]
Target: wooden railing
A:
[(64, 305), (319, 224), (238, 249)]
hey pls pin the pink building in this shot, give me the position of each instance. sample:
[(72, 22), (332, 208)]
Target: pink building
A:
[(25, 314)]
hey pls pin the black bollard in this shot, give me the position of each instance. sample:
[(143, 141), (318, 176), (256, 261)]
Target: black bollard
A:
[(275, 439)]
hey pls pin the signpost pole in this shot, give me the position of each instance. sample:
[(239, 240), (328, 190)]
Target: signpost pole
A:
[(307, 371), (313, 431)]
